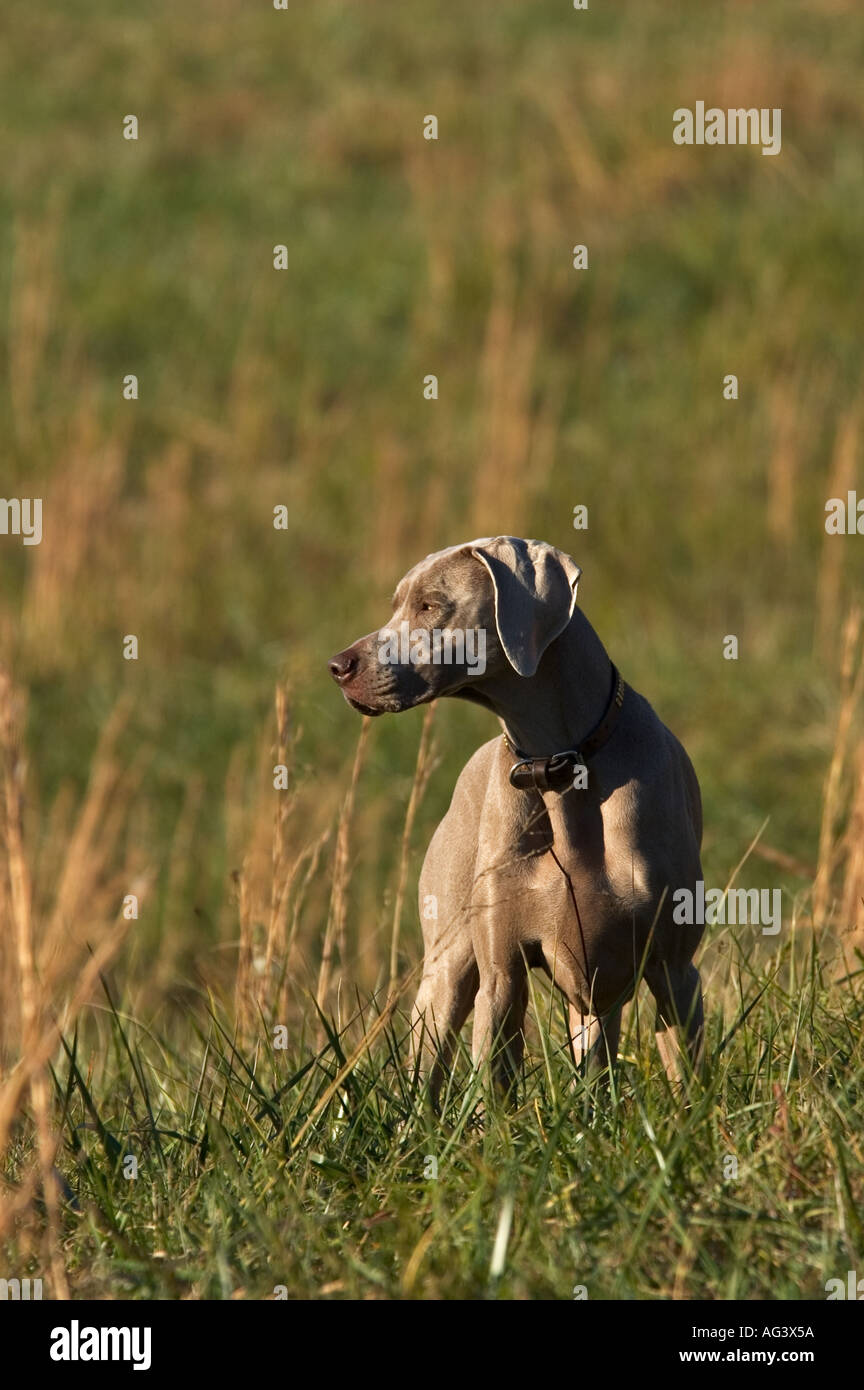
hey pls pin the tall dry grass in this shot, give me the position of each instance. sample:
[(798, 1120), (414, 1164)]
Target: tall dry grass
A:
[(838, 888), (61, 944), (62, 950), (155, 517)]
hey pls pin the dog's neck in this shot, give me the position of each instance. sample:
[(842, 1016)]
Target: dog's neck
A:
[(563, 701)]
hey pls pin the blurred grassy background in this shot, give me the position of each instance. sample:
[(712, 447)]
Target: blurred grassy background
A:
[(304, 388)]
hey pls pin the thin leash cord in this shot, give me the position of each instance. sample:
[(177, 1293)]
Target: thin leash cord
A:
[(579, 923)]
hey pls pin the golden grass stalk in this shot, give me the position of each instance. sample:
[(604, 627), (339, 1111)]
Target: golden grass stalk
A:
[(243, 1000), (312, 853), (421, 777), (360, 1050), (828, 591), (31, 312), (851, 905), (21, 897), (831, 844), (281, 877), (255, 986), (335, 929), (46, 961)]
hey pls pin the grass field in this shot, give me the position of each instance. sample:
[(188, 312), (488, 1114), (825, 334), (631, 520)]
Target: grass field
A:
[(309, 1166)]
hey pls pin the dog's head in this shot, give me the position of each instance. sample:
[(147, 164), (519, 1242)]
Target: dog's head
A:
[(460, 616)]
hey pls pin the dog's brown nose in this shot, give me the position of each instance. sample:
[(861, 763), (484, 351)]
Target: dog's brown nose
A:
[(343, 666)]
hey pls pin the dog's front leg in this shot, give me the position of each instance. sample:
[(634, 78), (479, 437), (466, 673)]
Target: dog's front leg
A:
[(594, 1041), (680, 1027), (499, 1020), (443, 1003)]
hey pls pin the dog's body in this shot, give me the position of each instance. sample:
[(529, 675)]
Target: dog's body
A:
[(575, 876)]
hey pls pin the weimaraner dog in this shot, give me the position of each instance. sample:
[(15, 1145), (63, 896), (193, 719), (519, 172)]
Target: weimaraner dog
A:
[(566, 836)]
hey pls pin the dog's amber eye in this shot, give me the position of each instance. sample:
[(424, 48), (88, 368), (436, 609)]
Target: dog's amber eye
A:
[(427, 607)]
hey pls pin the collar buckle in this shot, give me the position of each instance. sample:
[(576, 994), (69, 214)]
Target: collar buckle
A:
[(555, 773)]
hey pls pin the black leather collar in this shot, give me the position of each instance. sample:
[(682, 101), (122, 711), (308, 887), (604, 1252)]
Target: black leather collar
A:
[(556, 772)]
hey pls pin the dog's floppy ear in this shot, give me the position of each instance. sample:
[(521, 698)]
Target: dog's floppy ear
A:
[(535, 594)]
